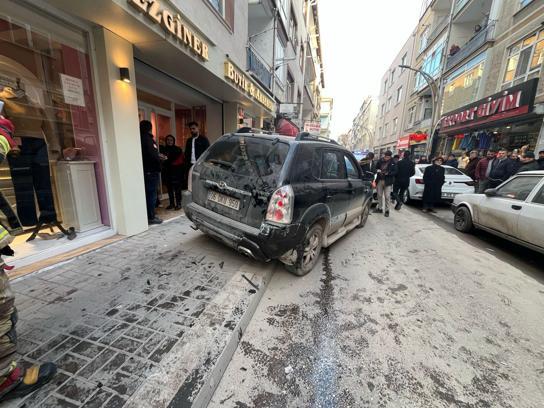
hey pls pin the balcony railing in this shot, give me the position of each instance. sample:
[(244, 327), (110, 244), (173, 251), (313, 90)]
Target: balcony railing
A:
[(258, 68), (459, 4), (484, 36)]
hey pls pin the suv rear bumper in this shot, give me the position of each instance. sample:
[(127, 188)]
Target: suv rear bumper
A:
[(268, 242)]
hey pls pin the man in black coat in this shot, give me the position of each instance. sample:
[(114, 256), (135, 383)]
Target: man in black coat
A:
[(502, 169), (386, 170), (196, 145), (368, 165), (541, 159), (433, 178), (152, 169), (406, 168)]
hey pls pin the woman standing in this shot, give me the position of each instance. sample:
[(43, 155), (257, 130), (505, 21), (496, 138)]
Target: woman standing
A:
[(172, 171), (433, 178)]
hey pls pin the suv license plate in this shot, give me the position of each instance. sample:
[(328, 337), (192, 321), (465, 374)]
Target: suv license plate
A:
[(223, 199)]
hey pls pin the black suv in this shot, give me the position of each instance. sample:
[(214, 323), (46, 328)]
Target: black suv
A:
[(277, 197)]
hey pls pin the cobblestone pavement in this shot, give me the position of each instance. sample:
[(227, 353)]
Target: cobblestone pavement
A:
[(110, 318)]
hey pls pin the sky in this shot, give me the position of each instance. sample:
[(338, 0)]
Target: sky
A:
[(360, 39)]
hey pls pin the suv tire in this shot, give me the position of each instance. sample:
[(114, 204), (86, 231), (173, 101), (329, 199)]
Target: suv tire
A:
[(463, 220), (313, 242), (364, 214)]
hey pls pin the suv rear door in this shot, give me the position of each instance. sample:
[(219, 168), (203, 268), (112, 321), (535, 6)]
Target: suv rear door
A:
[(356, 188), (335, 186), (238, 174)]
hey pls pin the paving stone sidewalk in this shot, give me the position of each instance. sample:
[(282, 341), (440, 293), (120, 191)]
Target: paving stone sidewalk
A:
[(121, 321)]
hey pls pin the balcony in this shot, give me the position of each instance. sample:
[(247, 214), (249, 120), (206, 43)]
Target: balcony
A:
[(438, 28), (484, 36), (260, 9), (459, 4), (261, 71)]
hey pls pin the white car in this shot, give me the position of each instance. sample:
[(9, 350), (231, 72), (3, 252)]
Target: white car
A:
[(456, 182), (514, 210)]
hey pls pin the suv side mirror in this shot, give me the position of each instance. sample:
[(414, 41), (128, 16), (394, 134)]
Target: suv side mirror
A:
[(491, 192)]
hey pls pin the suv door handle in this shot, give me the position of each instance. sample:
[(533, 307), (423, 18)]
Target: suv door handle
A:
[(516, 207)]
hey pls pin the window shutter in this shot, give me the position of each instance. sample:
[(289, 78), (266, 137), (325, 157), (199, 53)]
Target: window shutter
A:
[(229, 13)]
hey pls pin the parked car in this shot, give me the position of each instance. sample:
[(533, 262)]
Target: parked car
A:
[(456, 183), (514, 210), (275, 197)]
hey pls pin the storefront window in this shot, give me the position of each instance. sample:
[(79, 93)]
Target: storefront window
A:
[(53, 173), (462, 86)]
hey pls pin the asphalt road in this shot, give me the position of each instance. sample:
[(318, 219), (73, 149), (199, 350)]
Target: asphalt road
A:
[(406, 312)]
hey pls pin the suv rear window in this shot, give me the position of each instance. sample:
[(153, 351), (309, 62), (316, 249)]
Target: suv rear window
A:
[(248, 156)]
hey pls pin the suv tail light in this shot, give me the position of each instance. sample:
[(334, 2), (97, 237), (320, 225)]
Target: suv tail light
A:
[(419, 181), (280, 207), (190, 180)]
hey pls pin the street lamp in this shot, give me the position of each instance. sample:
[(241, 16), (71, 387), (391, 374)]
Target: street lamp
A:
[(434, 93)]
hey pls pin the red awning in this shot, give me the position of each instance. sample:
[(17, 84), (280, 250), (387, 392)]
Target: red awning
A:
[(418, 138), (287, 128)]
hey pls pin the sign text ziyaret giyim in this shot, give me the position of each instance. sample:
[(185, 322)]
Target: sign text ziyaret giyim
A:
[(172, 24), (245, 83)]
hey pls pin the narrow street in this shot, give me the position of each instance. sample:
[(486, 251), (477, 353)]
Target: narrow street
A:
[(403, 313)]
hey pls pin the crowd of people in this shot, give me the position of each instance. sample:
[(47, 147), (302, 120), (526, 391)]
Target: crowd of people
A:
[(169, 163), (391, 173)]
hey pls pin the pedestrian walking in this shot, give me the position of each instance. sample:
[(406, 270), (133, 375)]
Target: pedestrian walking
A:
[(386, 170), (173, 172), (406, 168), (482, 171), (423, 160), (528, 163), (501, 170), (541, 159), (433, 179), (470, 168), (452, 161), (152, 169)]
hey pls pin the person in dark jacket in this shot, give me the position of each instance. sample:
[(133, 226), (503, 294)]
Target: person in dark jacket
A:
[(502, 169), (386, 170), (541, 159), (406, 168), (423, 160), (368, 165), (473, 160), (528, 163), (482, 171), (172, 172), (452, 161), (433, 178), (152, 169), (516, 161), (196, 144)]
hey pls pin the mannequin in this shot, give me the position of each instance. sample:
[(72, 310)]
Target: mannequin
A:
[(30, 166)]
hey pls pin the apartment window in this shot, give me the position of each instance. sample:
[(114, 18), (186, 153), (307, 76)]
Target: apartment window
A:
[(399, 94), (225, 8), (424, 39), (427, 113), (293, 29), (524, 60), (385, 129), (385, 87), (403, 61), (290, 87), (388, 106), (301, 56), (524, 3), (395, 123), (392, 76), (383, 109), (411, 115), (380, 131), (462, 86), (281, 67), (431, 65)]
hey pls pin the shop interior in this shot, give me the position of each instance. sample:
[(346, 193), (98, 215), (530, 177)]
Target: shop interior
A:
[(509, 137), (52, 187)]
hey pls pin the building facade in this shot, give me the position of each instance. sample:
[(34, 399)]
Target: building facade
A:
[(77, 77), (325, 116), (394, 92), (361, 134)]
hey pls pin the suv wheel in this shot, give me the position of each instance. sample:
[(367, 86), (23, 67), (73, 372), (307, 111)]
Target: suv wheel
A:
[(364, 214), (463, 220), (310, 252)]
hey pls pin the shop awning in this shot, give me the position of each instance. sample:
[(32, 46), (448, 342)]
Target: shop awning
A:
[(416, 138), (287, 128)]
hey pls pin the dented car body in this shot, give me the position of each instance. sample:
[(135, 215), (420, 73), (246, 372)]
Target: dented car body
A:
[(275, 197)]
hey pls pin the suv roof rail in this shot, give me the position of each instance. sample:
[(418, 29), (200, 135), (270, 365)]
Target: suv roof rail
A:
[(314, 137)]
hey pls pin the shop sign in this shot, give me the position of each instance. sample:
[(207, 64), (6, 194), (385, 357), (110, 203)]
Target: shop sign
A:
[(515, 101), (246, 84), (173, 24), (312, 127), (416, 138), (403, 142)]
